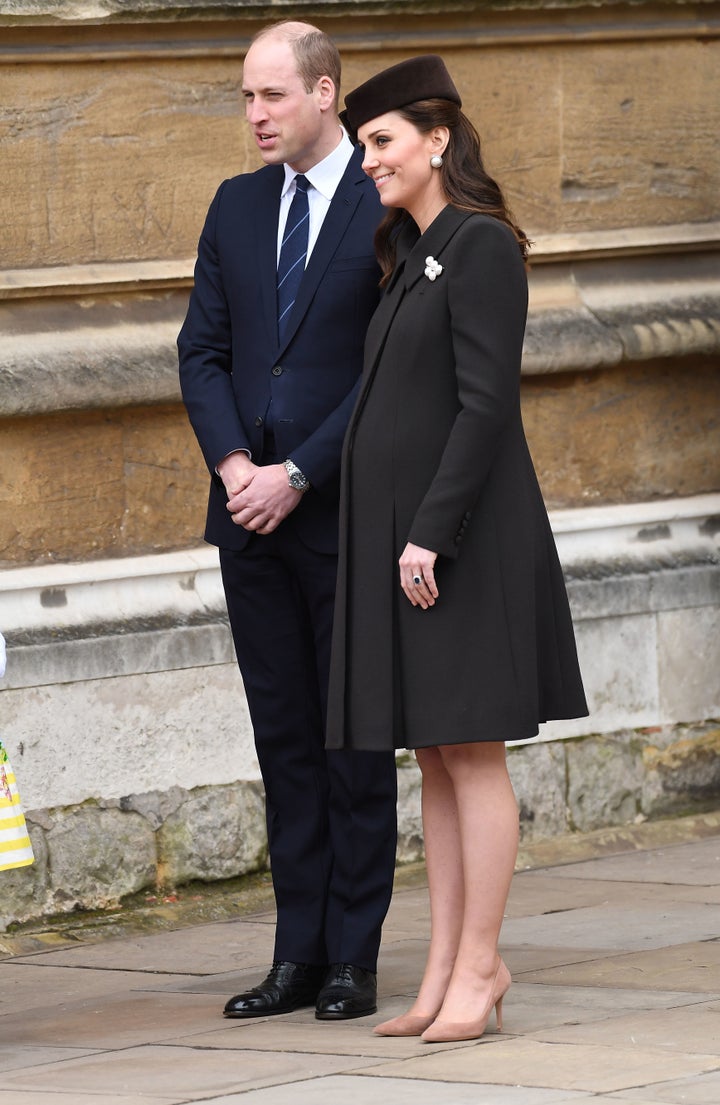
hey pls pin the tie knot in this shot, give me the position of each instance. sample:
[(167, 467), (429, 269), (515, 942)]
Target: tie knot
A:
[(301, 183)]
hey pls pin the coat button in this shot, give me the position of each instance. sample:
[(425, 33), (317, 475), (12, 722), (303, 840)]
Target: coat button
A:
[(277, 370), (468, 516), (258, 420)]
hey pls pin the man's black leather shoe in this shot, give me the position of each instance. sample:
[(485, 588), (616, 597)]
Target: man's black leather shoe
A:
[(347, 992), (288, 986)]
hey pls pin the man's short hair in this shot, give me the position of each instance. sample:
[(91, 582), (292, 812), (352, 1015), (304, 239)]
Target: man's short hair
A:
[(315, 52)]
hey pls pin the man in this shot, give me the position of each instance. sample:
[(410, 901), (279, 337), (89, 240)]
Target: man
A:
[(270, 353)]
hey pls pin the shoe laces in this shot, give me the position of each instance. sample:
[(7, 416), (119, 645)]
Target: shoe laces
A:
[(344, 973)]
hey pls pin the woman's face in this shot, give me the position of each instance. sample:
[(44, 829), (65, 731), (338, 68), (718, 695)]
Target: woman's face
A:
[(397, 158)]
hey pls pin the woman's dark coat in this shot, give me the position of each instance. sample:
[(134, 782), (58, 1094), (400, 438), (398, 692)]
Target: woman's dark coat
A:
[(436, 454)]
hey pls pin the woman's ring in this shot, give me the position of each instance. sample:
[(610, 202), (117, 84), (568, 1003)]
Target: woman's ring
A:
[(417, 580)]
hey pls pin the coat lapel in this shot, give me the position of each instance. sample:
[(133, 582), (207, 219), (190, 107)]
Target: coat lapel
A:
[(342, 208), (412, 250), (432, 243)]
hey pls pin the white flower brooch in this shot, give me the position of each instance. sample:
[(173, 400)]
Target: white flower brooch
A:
[(432, 268)]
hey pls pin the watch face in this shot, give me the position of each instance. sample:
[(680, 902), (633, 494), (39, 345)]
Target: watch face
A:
[(295, 477)]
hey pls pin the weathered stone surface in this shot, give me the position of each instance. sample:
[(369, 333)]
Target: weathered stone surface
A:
[(88, 856), (133, 481), (155, 806), (97, 856), (604, 780), (116, 483), (410, 846), (653, 439), (681, 770), (216, 833), (689, 659), (537, 772), (131, 735), (25, 889)]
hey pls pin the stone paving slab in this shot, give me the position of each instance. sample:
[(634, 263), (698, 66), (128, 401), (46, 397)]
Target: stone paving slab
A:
[(201, 950), (682, 967), (15, 1058), (308, 1036), (690, 864), (28, 985), (344, 1090), (528, 960), (704, 1089), (530, 1062), (532, 1008), (111, 1021), (692, 1028), (616, 927), (534, 892), (42, 1097), (183, 1074), (616, 998)]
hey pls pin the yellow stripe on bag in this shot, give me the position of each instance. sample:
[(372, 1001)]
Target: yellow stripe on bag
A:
[(8, 824), (8, 803), (21, 841)]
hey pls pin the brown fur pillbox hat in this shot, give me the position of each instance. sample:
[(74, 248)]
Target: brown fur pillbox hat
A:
[(421, 78)]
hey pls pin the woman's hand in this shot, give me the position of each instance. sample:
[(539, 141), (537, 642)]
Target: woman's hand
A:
[(417, 576)]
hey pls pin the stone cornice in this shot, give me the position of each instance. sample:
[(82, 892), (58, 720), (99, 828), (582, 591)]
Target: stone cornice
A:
[(91, 30), (55, 602), (93, 11), (120, 276), (95, 337)]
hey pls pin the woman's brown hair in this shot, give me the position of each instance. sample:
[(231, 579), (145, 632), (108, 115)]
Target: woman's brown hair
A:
[(464, 179)]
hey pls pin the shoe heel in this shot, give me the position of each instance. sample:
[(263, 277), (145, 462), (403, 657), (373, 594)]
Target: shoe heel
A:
[(498, 1013)]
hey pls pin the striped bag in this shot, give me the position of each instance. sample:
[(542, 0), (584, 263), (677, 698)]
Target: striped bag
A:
[(15, 847)]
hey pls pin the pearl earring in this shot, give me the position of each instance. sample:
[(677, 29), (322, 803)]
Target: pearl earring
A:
[(436, 161)]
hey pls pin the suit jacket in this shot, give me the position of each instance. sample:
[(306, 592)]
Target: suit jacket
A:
[(232, 365)]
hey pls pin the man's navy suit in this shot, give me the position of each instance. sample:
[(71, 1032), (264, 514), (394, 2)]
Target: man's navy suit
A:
[(331, 815)]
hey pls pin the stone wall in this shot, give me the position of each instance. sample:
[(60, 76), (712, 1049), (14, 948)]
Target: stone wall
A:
[(122, 709)]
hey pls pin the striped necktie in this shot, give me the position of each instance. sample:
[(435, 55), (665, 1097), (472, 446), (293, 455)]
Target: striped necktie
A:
[(293, 252)]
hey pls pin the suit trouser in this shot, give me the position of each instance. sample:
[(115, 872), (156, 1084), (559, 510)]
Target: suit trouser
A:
[(331, 815)]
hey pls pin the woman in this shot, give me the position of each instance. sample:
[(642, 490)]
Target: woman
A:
[(470, 643)]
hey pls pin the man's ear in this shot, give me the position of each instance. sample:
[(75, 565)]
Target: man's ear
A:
[(325, 89)]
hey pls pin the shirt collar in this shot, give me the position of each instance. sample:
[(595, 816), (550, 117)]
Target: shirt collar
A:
[(327, 174)]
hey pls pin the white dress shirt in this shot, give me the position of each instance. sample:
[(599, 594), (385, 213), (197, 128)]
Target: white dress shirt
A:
[(324, 178)]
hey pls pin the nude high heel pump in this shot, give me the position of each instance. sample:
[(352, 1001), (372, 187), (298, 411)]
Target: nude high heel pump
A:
[(406, 1025), (441, 1032)]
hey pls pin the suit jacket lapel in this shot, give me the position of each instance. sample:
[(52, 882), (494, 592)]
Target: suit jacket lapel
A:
[(342, 208), (266, 214)]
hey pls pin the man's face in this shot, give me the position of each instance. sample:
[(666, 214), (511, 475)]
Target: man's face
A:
[(288, 122)]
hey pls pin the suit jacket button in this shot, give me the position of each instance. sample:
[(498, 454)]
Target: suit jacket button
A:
[(258, 420), (277, 370)]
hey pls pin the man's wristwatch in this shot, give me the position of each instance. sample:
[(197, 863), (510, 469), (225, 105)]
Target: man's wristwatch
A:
[(296, 478)]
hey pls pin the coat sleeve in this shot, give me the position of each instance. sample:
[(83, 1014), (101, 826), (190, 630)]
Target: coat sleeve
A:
[(487, 302), (205, 352)]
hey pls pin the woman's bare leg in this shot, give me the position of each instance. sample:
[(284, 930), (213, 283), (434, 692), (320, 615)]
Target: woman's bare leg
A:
[(445, 879), (445, 882), (488, 840)]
